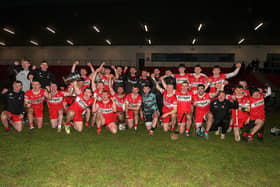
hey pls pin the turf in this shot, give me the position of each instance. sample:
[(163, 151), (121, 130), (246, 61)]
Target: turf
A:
[(48, 158)]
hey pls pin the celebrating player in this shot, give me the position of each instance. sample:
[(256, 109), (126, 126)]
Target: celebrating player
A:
[(82, 101), (197, 78), (83, 73), (106, 110), (181, 77), (220, 78), (55, 104), (169, 105), (257, 115)]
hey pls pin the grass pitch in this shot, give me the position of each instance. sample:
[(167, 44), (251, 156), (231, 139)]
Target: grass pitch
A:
[(48, 158)]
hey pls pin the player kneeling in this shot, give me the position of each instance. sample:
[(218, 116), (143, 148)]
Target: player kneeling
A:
[(55, 104), (202, 110), (150, 109), (257, 115), (132, 107), (106, 110), (34, 103), (13, 112), (82, 101)]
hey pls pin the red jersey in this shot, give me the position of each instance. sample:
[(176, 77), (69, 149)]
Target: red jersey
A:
[(119, 101), (202, 102), (195, 81), (169, 102), (97, 94), (216, 80), (105, 81), (180, 79), (105, 108), (184, 101), (56, 100), (87, 81), (35, 99), (133, 102), (80, 104), (257, 108)]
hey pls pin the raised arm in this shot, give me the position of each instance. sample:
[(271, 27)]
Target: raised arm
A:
[(235, 72), (268, 92), (116, 73), (156, 83), (110, 86), (76, 88), (73, 69)]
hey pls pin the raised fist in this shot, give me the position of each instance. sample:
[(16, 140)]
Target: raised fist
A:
[(5, 90), (238, 65)]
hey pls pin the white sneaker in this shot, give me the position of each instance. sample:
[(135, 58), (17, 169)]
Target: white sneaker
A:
[(67, 129), (229, 130)]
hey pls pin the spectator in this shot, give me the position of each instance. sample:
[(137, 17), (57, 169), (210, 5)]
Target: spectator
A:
[(23, 73)]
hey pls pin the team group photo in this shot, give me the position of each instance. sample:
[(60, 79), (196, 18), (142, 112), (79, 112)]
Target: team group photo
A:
[(144, 93)]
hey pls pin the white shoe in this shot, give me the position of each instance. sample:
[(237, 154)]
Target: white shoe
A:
[(67, 129), (229, 130), (223, 136)]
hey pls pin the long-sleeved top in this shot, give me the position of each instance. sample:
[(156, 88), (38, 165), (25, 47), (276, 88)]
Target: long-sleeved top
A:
[(22, 76), (14, 102), (221, 109), (44, 77)]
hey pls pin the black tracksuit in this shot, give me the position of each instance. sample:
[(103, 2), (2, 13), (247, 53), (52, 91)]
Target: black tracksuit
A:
[(14, 102), (221, 113)]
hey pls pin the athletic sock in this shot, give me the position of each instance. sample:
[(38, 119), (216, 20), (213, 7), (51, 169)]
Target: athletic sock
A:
[(206, 131), (98, 130), (230, 125), (260, 134), (58, 126), (7, 128), (87, 123), (68, 123), (136, 125), (188, 130), (172, 129), (31, 125), (153, 129), (245, 134)]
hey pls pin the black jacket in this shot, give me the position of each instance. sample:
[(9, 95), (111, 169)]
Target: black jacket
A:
[(221, 110), (44, 77), (14, 102)]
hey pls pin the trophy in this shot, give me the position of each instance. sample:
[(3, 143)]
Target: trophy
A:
[(245, 109), (71, 77)]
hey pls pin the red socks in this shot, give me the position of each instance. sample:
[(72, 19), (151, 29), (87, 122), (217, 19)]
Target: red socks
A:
[(206, 132), (245, 134), (7, 128), (136, 125), (31, 125), (188, 130), (68, 123), (98, 130), (87, 123)]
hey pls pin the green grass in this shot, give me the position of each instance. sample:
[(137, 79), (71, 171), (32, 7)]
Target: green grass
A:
[(46, 158)]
